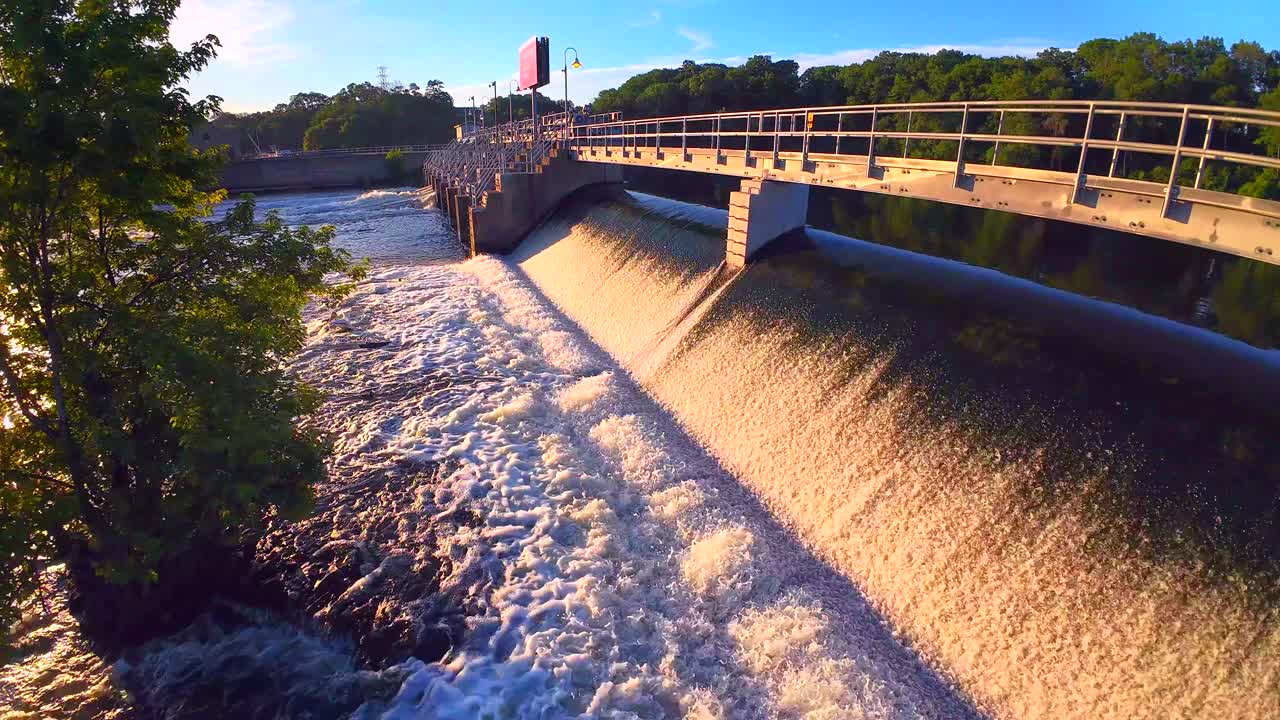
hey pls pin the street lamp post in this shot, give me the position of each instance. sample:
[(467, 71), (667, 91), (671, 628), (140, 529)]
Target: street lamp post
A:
[(473, 112), (511, 103), (576, 65), (494, 85)]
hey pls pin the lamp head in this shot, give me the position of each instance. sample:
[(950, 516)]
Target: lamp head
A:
[(576, 64)]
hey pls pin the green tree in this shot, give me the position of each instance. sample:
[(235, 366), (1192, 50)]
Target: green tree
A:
[(1142, 66), (395, 164), (145, 407), (363, 114)]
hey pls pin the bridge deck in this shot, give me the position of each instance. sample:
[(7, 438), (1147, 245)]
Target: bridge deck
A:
[(781, 145)]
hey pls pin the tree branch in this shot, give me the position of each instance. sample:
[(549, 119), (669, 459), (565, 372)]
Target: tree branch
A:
[(24, 403), (102, 249)]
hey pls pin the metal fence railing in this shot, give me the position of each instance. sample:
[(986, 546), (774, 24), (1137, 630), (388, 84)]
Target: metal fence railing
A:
[(371, 150), (472, 163), (1100, 135)]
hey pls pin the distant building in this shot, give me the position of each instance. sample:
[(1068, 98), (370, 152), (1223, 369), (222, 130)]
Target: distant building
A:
[(209, 136)]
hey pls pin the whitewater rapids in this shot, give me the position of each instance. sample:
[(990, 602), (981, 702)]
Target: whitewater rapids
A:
[(617, 570)]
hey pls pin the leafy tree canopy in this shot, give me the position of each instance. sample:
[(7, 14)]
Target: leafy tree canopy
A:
[(359, 115), (1140, 67), (142, 396)]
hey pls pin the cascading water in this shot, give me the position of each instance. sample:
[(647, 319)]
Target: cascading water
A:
[(1069, 506)]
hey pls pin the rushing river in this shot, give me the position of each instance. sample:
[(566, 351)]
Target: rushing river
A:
[(850, 481), (387, 226), (54, 674)]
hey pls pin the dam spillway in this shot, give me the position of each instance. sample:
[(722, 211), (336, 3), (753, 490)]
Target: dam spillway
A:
[(1066, 505)]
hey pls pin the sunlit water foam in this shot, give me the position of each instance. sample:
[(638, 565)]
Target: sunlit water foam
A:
[(392, 225), (969, 544), (616, 571)]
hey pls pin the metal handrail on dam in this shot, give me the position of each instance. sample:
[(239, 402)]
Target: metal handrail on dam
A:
[(845, 146), (472, 162), (371, 150)]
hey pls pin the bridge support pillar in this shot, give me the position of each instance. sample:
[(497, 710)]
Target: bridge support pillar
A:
[(442, 199), (462, 218), (760, 212)]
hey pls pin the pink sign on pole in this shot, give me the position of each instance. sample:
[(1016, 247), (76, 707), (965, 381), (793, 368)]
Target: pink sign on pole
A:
[(535, 63)]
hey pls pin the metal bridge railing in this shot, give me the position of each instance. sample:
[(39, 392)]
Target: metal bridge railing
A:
[(371, 150), (472, 163), (841, 133)]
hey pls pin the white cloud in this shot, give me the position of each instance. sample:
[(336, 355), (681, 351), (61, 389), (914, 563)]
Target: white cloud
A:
[(701, 40), (846, 57), (249, 30), (654, 17)]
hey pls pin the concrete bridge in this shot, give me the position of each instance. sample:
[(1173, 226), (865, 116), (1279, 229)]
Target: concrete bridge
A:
[(319, 169), (869, 148)]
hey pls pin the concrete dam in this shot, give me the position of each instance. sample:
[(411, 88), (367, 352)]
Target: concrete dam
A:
[(1040, 490), (1064, 507)]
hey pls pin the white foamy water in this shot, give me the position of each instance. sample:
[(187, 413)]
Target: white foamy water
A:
[(616, 570), (393, 225), (1004, 567)]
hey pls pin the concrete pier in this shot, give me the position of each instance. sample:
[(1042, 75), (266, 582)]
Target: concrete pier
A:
[(760, 212), (462, 219), (518, 202)]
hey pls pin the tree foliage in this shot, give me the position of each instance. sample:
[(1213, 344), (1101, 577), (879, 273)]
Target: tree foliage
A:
[(143, 398), (504, 107), (359, 115), (1141, 67)]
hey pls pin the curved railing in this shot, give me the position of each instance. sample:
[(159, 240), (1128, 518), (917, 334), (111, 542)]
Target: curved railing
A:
[(782, 130)]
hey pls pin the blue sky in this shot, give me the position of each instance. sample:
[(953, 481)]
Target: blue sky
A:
[(275, 48)]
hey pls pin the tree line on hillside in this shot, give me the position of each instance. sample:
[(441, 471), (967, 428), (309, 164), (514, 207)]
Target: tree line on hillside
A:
[(505, 107), (1141, 67), (359, 115), (364, 114)]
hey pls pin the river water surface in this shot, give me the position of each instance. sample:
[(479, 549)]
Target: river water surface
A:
[(850, 481)]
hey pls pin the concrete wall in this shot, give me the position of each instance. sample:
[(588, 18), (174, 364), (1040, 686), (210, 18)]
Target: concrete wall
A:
[(313, 172), (520, 201), (209, 135)]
